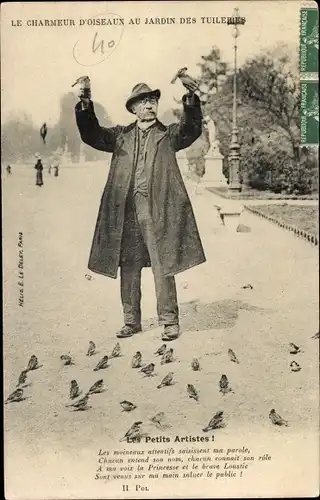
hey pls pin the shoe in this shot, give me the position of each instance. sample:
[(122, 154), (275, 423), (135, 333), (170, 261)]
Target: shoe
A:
[(170, 332), (128, 331)]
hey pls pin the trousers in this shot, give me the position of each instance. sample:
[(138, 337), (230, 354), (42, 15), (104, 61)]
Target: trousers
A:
[(137, 211)]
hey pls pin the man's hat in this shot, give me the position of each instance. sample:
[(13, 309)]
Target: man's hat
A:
[(140, 91)]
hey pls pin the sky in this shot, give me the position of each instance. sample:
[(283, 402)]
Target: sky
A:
[(39, 64)]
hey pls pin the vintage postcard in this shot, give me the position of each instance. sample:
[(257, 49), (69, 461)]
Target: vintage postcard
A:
[(160, 180)]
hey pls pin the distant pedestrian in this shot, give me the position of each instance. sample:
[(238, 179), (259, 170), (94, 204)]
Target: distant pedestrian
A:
[(9, 170), (49, 170), (39, 176), (56, 170)]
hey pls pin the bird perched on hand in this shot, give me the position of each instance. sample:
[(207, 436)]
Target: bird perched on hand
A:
[(294, 349), (74, 389), (136, 360), (224, 385), (193, 393), (103, 363), (127, 405), (195, 365), (161, 350), (22, 378), (43, 132), (276, 419), (96, 388), (167, 357), (15, 397), (91, 349), (295, 367), (67, 360), (232, 356), (81, 404), (189, 83), (116, 352), (215, 423), (134, 432), (81, 79), (33, 363), (148, 370), (166, 381)]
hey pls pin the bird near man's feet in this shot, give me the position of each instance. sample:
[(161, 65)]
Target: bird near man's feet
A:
[(295, 367), (15, 397), (148, 370), (22, 378), (224, 385), (74, 389), (33, 363), (96, 388), (81, 404), (167, 357), (136, 360), (127, 405), (116, 351), (133, 433), (195, 365), (161, 350), (215, 423), (192, 392), (67, 360), (166, 381), (276, 419), (103, 363), (232, 356), (91, 349)]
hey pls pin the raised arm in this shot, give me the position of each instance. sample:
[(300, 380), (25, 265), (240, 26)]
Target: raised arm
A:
[(91, 132), (184, 133)]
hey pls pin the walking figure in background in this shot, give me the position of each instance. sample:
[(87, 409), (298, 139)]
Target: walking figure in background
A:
[(39, 176), (56, 170), (49, 169), (9, 170)]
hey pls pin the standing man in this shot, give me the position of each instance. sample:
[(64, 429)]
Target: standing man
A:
[(145, 216)]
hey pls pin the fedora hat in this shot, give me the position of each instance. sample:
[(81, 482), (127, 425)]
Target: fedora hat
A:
[(140, 91)]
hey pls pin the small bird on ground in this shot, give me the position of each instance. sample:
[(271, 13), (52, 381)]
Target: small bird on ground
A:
[(127, 405), (166, 381), (103, 363), (134, 432), (116, 351), (43, 132), (158, 419), (91, 349), (224, 385), (81, 404), (74, 389), (67, 360), (148, 370), (33, 363), (15, 397), (193, 393), (294, 349), (315, 336), (167, 357), (195, 365), (295, 367), (136, 360), (22, 378), (161, 350), (88, 277), (215, 423), (232, 356), (96, 388), (247, 287), (276, 419)]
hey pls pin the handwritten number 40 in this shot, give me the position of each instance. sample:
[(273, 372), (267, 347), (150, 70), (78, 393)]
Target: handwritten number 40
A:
[(96, 45)]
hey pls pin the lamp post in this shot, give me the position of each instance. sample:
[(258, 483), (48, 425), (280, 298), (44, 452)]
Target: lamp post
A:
[(234, 155)]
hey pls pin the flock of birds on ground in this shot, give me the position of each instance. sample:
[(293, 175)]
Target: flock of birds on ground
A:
[(167, 356)]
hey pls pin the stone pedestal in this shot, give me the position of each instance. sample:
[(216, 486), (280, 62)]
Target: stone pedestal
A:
[(214, 175)]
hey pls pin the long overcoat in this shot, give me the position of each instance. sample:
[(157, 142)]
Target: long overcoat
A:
[(178, 242)]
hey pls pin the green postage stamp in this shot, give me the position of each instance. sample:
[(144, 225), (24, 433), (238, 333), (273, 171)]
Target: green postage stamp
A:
[(309, 76)]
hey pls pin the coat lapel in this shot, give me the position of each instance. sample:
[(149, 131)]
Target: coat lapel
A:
[(157, 134), (128, 141)]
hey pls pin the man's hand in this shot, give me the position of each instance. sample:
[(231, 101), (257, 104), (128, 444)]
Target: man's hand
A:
[(83, 90)]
